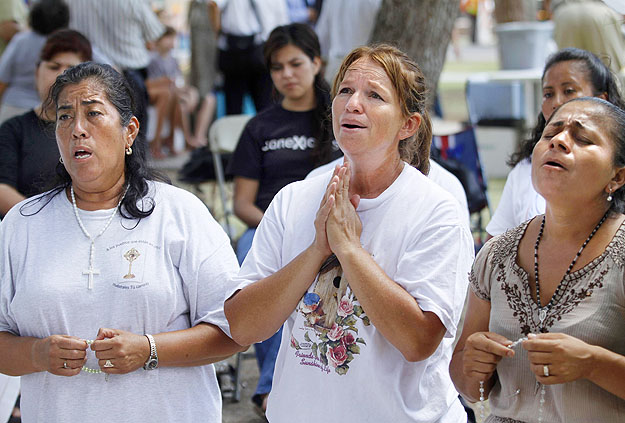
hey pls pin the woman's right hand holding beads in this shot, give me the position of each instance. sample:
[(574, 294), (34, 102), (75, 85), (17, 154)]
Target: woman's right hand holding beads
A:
[(482, 352)]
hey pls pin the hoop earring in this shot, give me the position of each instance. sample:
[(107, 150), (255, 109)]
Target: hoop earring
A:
[(610, 195), (61, 160), (128, 151)]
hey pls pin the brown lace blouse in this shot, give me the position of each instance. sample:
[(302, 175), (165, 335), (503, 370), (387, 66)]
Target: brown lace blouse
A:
[(591, 308)]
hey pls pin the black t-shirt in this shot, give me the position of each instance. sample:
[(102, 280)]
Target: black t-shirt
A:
[(275, 149), (28, 153)]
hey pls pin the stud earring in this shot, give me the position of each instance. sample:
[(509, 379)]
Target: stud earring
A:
[(128, 150)]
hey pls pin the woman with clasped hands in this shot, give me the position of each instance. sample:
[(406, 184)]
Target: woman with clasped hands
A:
[(558, 281), (365, 266), (111, 273)]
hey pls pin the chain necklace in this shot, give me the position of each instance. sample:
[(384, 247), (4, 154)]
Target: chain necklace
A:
[(91, 271), (542, 311)]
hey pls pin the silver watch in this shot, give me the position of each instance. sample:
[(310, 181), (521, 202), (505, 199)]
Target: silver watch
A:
[(152, 362)]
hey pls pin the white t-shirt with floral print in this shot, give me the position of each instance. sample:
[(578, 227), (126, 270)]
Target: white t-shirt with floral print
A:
[(333, 364)]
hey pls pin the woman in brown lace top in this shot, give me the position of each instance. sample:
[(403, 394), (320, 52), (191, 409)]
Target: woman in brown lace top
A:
[(557, 280)]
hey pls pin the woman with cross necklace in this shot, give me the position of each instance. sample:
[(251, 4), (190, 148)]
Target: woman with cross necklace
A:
[(555, 284), (112, 284)]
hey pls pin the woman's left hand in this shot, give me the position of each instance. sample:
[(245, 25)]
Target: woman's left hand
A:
[(126, 351), (566, 358), (343, 226)]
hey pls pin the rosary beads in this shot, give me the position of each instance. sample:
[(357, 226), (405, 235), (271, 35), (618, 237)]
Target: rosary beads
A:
[(482, 399)]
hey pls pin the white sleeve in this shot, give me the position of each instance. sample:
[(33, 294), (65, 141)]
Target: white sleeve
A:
[(7, 273), (504, 217), (434, 268), (207, 266), (265, 255)]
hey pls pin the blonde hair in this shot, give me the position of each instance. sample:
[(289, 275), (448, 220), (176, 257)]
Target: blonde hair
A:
[(409, 84)]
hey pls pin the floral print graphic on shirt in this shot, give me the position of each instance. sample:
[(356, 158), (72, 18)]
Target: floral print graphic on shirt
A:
[(330, 314)]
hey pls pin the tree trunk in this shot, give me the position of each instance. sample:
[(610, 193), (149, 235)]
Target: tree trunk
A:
[(515, 10), (420, 28)]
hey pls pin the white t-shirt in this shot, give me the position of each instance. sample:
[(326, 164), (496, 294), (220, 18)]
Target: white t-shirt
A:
[(519, 200), (182, 265), (333, 365), (443, 178)]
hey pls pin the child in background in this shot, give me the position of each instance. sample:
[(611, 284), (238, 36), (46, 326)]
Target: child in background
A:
[(173, 100)]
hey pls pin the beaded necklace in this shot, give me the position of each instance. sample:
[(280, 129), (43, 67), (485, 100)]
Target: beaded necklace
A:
[(542, 314), (89, 369), (543, 310), (91, 271)]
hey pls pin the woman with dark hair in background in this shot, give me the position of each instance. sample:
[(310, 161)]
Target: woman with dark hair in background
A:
[(28, 151), (569, 73), (112, 284), (281, 145), (18, 92)]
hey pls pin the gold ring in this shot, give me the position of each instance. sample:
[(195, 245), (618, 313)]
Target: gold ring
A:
[(108, 364)]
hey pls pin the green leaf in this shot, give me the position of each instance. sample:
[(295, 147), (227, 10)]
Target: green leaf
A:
[(323, 348), (366, 321), (361, 341), (358, 310), (342, 369), (323, 359), (306, 337), (314, 350), (354, 348), (324, 337), (354, 328), (349, 321)]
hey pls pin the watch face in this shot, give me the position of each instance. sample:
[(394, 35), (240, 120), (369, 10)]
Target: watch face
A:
[(151, 364)]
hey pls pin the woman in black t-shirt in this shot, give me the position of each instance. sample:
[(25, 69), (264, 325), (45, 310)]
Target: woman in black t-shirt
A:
[(28, 150), (280, 145)]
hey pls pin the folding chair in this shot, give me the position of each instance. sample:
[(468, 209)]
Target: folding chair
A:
[(223, 137), (458, 153)]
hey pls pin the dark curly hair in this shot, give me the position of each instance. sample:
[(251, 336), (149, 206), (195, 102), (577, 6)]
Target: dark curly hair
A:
[(136, 204), (304, 38), (614, 119), (596, 72)]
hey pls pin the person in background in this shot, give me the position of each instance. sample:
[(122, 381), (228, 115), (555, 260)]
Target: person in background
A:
[(590, 25), (338, 36), (129, 316), (28, 151), (18, 92), (204, 27), (365, 266), (302, 11), (554, 284), (279, 146), (13, 16), (245, 24), (120, 30), (174, 101), (568, 73)]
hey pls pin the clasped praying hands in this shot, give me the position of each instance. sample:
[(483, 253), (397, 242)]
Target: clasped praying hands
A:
[(337, 224)]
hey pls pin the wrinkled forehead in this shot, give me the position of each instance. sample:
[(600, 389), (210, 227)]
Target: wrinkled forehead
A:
[(584, 111), (86, 90), (366, 68)]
